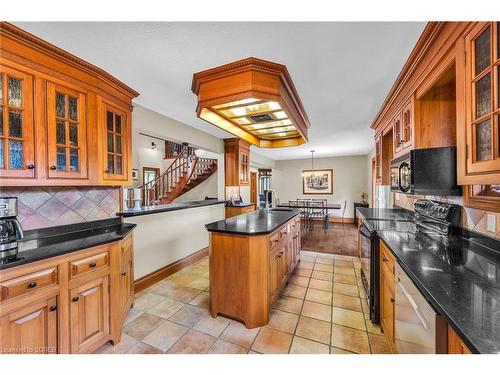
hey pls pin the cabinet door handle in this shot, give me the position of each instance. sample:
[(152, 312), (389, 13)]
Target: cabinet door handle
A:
[(92, 265), (393, 300), (53, 168), (106, 171), (32, 285), (75, 299), (124, 274), (30, 166), (53, 308), (384, 259)]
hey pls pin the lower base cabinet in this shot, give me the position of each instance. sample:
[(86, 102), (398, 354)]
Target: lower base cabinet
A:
[(455, 344), (89, 315), (30, 329), (387, 294), (248, 272), (73, 303)]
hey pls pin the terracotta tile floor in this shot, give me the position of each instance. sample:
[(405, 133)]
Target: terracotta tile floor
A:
[(322, 310)]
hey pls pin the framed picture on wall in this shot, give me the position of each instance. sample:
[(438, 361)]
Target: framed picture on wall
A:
[(135, 174), (317, 181)]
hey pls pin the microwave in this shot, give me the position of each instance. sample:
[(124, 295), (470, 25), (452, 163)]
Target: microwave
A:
[(427, 171)]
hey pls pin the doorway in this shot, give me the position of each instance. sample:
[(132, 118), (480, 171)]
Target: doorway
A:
[(150, 174), (253, 187)]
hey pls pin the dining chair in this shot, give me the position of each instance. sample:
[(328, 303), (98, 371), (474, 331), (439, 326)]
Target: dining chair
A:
[(318, 210), (305, 211), (343, 215)]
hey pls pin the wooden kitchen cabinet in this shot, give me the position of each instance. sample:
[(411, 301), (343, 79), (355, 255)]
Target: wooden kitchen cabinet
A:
[(30, 328), (17, 141), (478, 105), (62, 102), (455, 344), (126, 275), (117, 145), (67, 132), (403, 130), (247, 273), (378, 159), (72, 303), (238, 210), (237, 162), (387, 293), (89, 315)]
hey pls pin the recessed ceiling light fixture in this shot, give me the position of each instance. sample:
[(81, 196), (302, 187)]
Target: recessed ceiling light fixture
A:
[(253, 99)]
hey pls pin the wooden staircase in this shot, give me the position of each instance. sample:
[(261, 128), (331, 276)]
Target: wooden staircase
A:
[(185, 173)]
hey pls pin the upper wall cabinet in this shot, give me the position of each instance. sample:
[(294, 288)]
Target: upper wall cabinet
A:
[(236, 162), (117, 148), (63, 121), (478, 132), (16, 124), (67, 133)]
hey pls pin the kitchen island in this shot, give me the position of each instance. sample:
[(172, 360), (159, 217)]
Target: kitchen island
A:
[(251, 258)]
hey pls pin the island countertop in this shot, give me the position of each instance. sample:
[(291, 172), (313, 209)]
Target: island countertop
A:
[(263, 221)]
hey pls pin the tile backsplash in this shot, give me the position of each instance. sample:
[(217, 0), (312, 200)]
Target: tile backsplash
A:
[(41, 207), (472, 219)]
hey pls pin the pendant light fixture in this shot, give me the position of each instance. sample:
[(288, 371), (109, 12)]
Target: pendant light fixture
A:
[(253, 99)]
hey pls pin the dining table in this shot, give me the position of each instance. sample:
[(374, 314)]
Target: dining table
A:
[(313, 205)]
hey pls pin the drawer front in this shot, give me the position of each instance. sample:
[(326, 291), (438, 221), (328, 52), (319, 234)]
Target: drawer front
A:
[(28, 283), (89, 264), (387, 259), (274, 239)]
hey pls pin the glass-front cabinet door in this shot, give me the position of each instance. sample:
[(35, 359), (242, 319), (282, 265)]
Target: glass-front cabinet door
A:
[(483, 98), (66, 133), (16, 124), (116, 143)]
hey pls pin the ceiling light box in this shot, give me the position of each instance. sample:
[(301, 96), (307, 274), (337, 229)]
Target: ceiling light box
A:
[(253, 99)]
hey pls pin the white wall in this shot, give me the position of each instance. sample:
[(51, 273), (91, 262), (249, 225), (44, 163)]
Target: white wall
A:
[(349, 179), (144, 156), (163, 238)]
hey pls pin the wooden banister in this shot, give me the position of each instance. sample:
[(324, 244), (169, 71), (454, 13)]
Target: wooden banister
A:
[(185, 172)]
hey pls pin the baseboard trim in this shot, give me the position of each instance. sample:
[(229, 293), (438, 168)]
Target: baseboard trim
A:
[(158, 275)]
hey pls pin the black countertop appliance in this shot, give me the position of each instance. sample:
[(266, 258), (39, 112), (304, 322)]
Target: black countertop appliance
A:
[(427, 171)]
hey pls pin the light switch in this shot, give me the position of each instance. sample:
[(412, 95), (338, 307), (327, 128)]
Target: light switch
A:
[(491, 223)]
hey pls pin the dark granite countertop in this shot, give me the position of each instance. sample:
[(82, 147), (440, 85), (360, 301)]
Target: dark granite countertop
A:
[(169, 207), (241, 204), (459, 276), (51, 242), (257, 222)]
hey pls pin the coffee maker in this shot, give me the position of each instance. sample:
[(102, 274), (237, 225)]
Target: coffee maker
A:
[(10, 229)]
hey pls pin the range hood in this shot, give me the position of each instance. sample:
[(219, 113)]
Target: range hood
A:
[(252, 99)]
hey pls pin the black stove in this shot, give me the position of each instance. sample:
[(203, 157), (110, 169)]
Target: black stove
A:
[(433, 223)]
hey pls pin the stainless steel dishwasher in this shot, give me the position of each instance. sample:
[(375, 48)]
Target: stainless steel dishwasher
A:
[(418, 328)]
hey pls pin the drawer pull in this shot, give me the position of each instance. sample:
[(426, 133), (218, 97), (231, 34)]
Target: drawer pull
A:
[(32, 285), (384, 259), (53, 308), (75, 299), (92, 265)]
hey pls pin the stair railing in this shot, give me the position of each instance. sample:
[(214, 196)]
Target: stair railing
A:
[(184, 169), (154, 190)]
